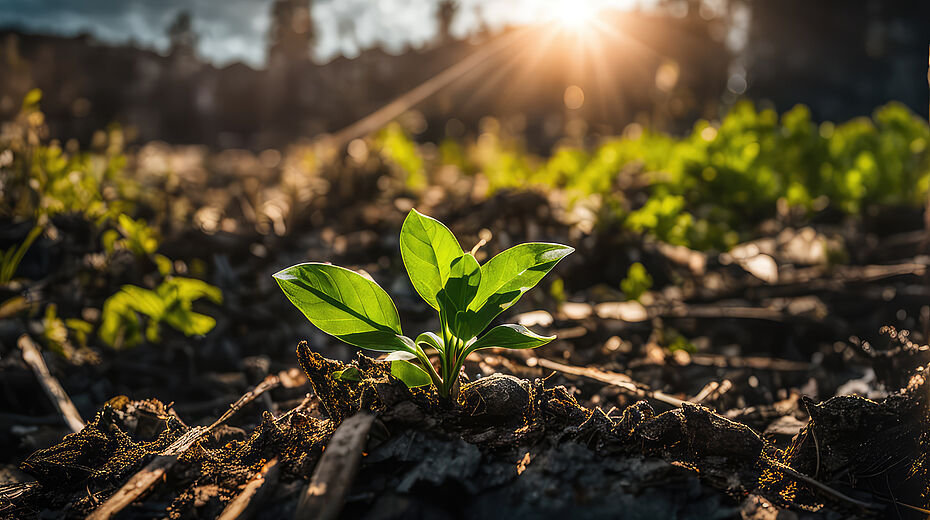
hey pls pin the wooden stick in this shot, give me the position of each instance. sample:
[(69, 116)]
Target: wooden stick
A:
[(152, 472), (245, 504), (52, 387), (268, 383), (621, 381), (323, 497)]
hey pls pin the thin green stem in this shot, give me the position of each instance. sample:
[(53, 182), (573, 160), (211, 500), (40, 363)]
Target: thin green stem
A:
[(424, 360)]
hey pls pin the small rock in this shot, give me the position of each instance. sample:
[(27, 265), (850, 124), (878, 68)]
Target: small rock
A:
[(495, 397)]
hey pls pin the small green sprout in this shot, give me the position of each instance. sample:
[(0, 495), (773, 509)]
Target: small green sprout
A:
[(467, 296), (637, 282)]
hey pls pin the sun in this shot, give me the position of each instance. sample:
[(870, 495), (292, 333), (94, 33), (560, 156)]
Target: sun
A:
[(574, 15)]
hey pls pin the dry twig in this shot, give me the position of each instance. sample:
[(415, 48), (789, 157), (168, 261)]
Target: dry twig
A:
[(621, 381), (52, 387)]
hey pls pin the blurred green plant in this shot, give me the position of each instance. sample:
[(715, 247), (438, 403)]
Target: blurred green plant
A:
[(57, 334), (637, 282), (134, 236), (40, 179), (398, 149), (708, 189), (12, 257), (170, 304)]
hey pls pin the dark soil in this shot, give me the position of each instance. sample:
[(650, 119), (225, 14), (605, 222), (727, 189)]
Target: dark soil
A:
[(771, 427), (508, 446)]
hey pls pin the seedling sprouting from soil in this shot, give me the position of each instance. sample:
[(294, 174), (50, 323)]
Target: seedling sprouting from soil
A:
[(467, 296)]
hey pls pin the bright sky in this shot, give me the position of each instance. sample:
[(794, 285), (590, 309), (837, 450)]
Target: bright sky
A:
[(234, 30)]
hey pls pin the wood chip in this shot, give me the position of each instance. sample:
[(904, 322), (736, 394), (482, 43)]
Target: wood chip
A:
[(324, 496)]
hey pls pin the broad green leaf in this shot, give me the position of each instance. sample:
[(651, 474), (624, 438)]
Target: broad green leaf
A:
[(145, 301), (427, 248), (412, 375), (120, 326), (507, 276), (189, 323), (460, 289), (189, 289), (462, 286), (509, 336), (344, 304)]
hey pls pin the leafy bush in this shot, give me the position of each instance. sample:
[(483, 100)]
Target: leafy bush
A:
[(467, 296), (40, 179), (710, 186), (170, 304)]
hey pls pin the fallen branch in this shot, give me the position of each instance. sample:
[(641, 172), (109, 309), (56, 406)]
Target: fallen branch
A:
[(323, 497), (621, 381), (52, 387), (145, 478)]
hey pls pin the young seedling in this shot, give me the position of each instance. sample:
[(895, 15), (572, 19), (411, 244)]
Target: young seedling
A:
[(467, 296)]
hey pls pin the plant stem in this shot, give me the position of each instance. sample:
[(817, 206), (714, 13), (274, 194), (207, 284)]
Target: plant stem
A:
[(424, 360)]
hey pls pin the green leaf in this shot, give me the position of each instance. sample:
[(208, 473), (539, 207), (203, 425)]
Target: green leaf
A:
[(509, 336), (188, 322), (344, 304), (428, 249), (146, 301), (32, 98), (462, 285), (430, 339), (349, 374), (164, 264), (507, 276), (460, 289), (412, 375), (120, 326), (189, 289)]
